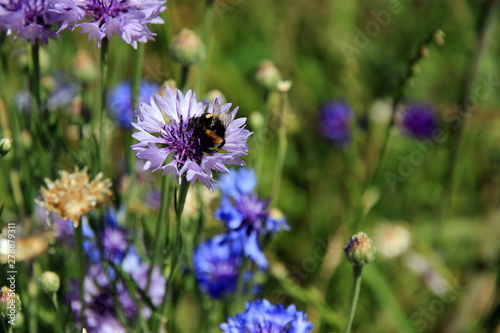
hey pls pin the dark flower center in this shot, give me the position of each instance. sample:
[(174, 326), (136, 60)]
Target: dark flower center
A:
[(106, 8), (253, 210), (185, 141)]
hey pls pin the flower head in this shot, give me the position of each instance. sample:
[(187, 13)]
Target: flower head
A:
[(120, 101), (74, 195), (245, 214), (268, 75), (334, 123), (360, 250), (172, 140), (418, 121), (49, 282), (262, 316), (32, 20), (216, 266), (125, 18)]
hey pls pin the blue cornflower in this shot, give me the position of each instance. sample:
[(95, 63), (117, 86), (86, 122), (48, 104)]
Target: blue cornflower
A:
[(334, 122), (245, 214), (120, 101), (418, 120), (262, 316), (125, 18), (32, 20), (217, 262)]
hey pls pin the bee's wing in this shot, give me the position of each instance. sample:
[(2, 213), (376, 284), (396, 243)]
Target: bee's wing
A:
[(224, 117)]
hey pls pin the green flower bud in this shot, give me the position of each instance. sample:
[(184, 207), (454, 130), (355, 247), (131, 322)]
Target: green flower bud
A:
[(5, 146), (268, 75), (49, 282), (439, 37), (10, 303), (360, 250), (187, 47)]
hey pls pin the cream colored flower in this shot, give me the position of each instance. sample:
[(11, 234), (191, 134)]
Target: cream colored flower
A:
[(74, 195), (391, 239)]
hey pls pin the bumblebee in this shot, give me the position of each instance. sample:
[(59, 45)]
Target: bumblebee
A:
[(212, 127)]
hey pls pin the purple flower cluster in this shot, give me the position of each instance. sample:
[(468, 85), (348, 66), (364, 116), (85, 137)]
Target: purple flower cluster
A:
[(418, 121), (262, 316), (103, 18), (171, 140), (120, 101), (101, 291), (245, 215), (32, 20), (104, 286), (334, 123)]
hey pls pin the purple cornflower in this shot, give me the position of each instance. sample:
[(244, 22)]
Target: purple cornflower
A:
[(216, 266), (32, 20), (125, 18), (262, 316), (120, 101), (334, 123), (101, 291), (172, 140), (418, 120), (245, 214)]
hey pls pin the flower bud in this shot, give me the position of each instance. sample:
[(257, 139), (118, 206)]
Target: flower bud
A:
[(187, 47), (360, 250), (284, 86), (49, 282), (162, 91), (256, 120), (268, 75), (10, 303), (5, 146), (439, 37)]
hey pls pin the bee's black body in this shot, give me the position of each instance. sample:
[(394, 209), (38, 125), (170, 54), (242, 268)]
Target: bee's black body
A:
[(212, 127)]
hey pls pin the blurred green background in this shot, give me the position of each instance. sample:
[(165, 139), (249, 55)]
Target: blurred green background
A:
[(359, 52)]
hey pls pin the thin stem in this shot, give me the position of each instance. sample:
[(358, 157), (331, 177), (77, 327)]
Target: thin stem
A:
[(207, 29), (397, 98), (354, 296), (177, 250), (136, 90), (55, 303), (102, 106), (484, 20), (184, 76), (161, 227), (282, 148), (81, 278)]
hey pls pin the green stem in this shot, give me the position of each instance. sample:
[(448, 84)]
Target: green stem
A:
[(177, 250), (397, 98), (136, 90), (207, 29), (35, 78), (162, 229), (484, 20), (354, 296), (102, 106), (81, 278), (282, 148), (184, 76), (61, 319)]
